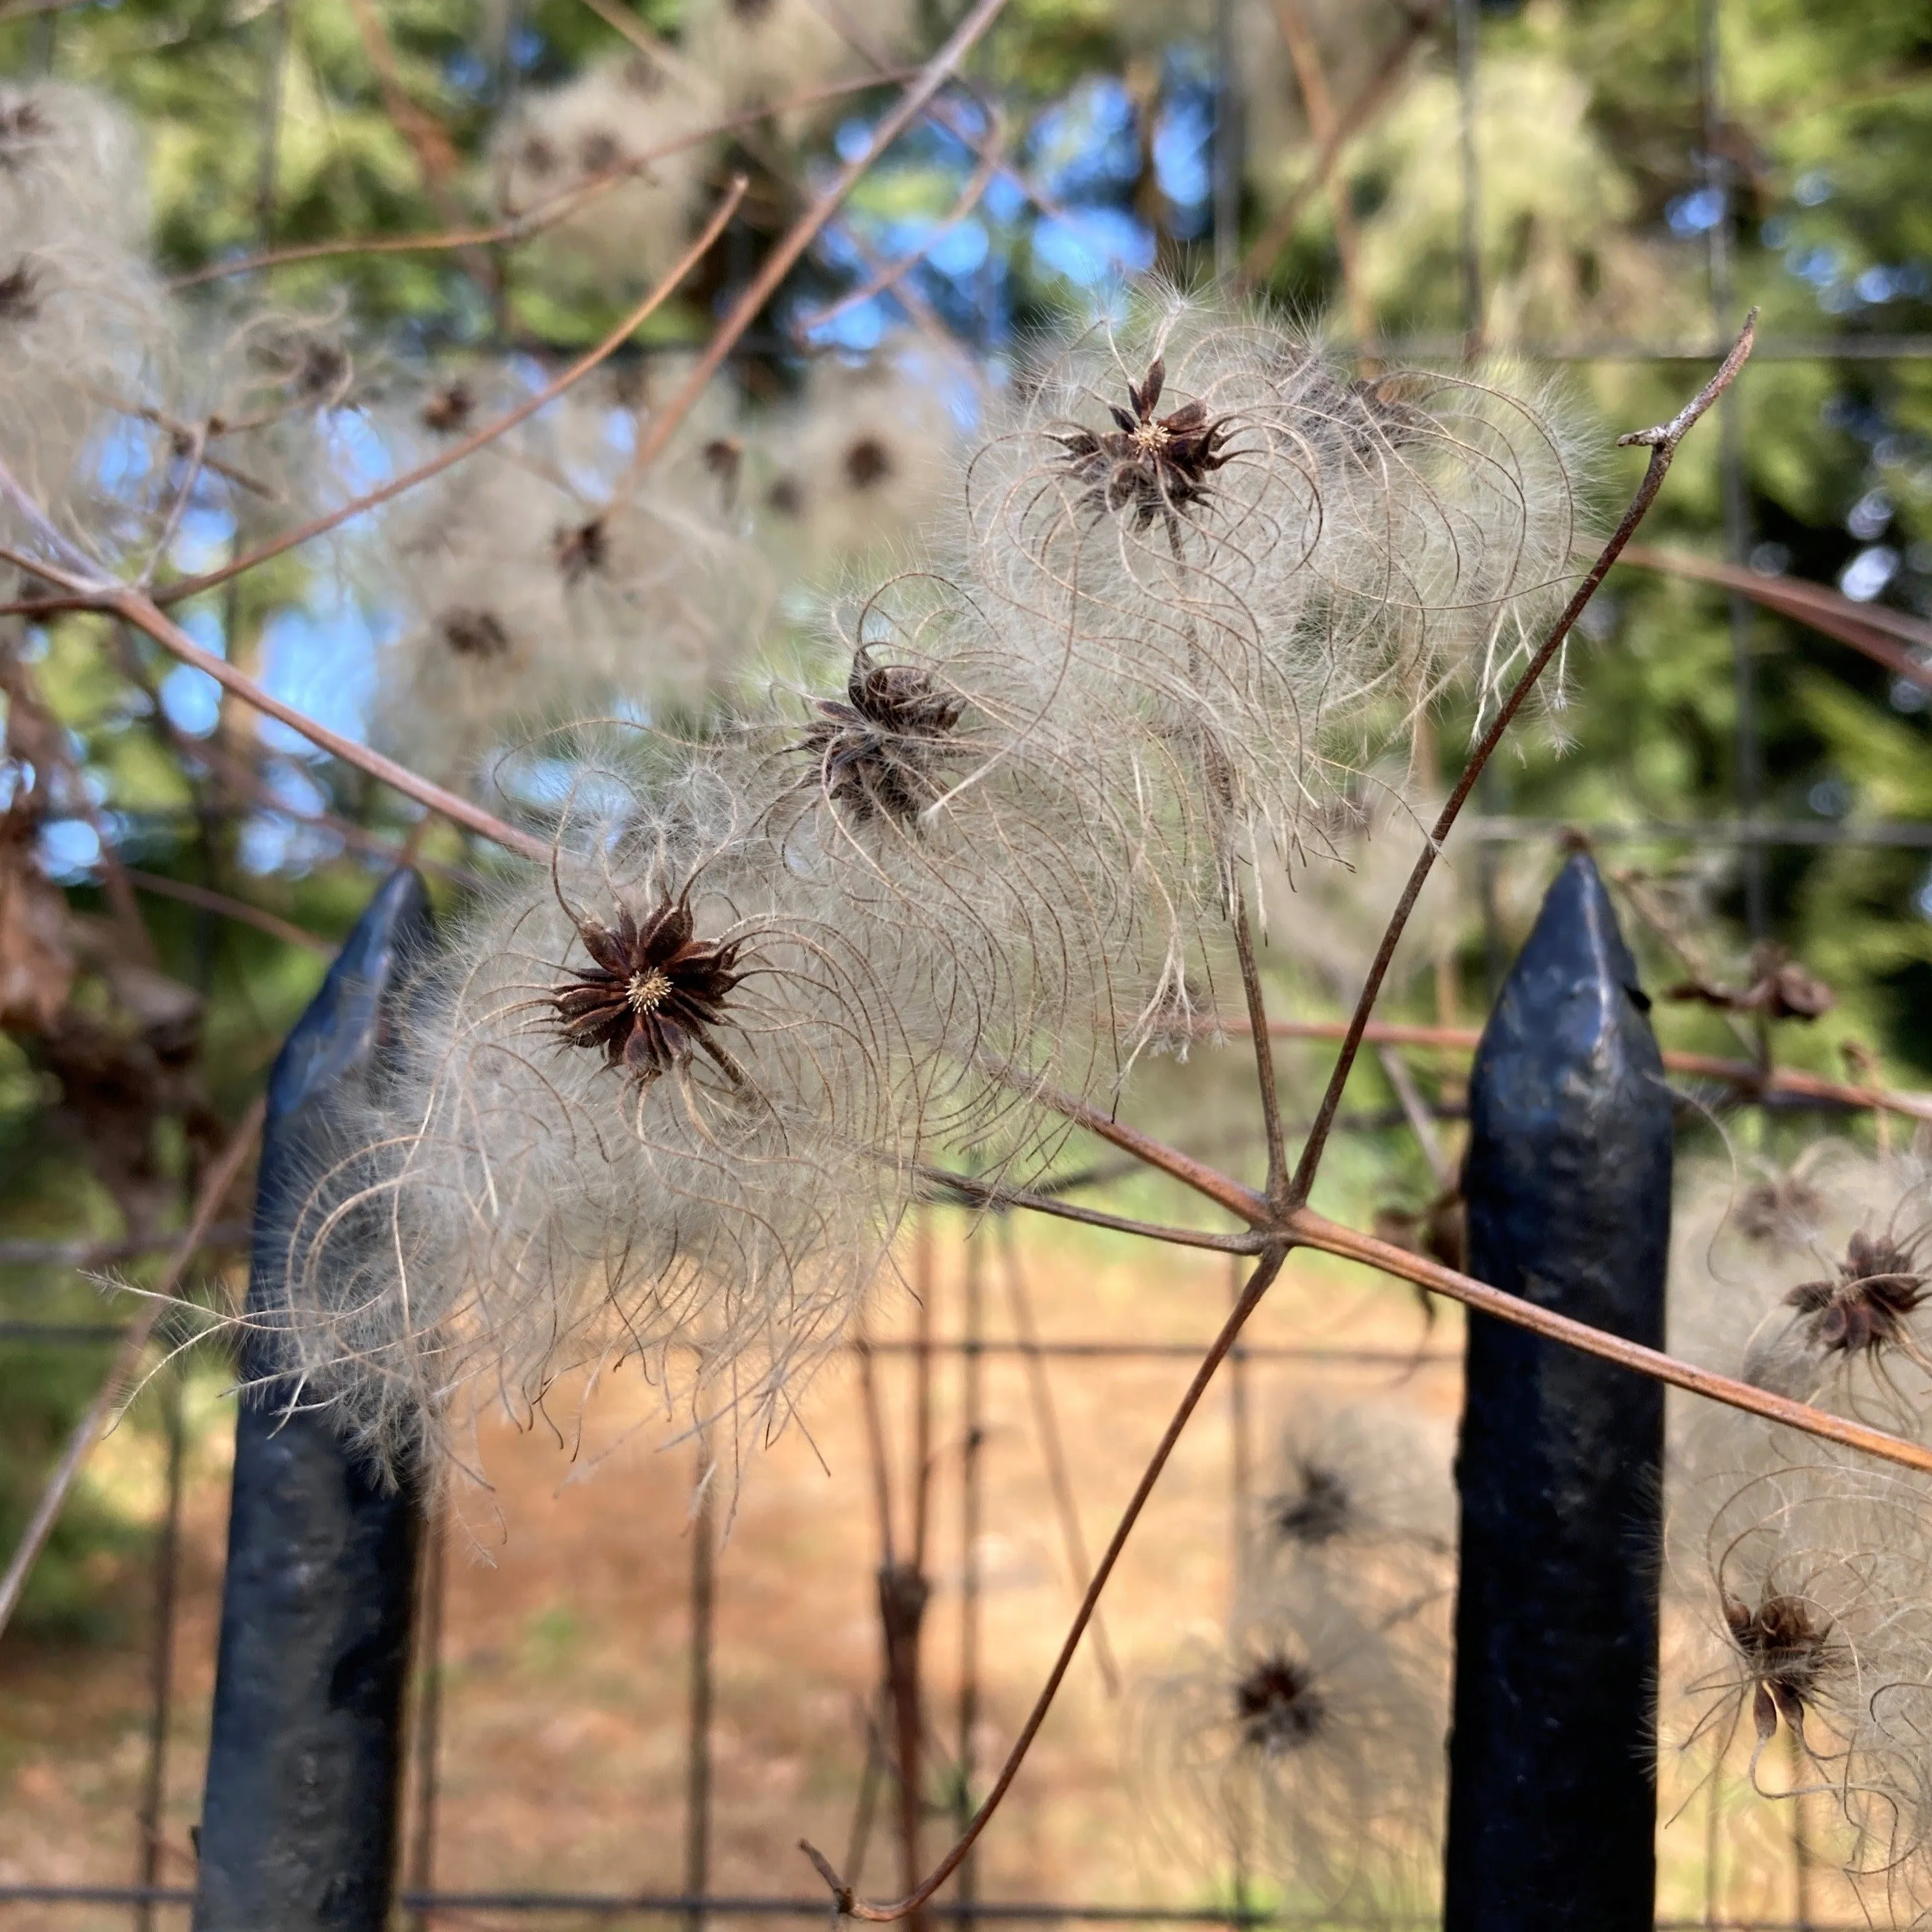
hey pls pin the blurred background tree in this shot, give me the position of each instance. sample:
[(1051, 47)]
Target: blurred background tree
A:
[(1627, 206)]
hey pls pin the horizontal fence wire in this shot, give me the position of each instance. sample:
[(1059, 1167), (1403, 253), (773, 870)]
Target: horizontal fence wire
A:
[(1010, 1911)]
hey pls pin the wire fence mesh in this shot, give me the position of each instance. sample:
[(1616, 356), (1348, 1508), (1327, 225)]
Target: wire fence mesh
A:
[(999, 1393)]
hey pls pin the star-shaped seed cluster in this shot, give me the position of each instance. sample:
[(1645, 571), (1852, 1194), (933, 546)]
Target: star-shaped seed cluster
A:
[(1786, 1648), (1867, 1304), (875, 752), (653, 993), (1148, 466)]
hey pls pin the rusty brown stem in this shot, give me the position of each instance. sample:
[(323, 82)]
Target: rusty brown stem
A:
[(803, 233), (1266, 1269), (214, 1187), (1662, 441), (1310, 1229)]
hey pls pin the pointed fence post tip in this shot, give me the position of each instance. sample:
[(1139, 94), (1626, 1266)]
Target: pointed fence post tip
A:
[(1552, 1805), (299, 1824)]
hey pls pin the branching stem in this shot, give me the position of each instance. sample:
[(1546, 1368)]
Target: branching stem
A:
[(1662, 441)]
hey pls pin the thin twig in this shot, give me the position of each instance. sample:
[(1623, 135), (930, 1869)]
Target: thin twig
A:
[(1662, 441), (196, 454), (138, 610), (1265, 1271), (803, 232), (190, 586), (1379, 88), (1241, 1201), (214, 1187), (1310, 78), (890, 273), (1052, 1449), (530, 222), (209, 900), (1271, 1091), (965, 1188), (1415, 1110), (1316, 1231), (1743, 1074)]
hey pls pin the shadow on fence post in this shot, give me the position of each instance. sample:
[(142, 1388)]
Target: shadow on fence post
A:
[(1553, 1799), (299, 1825)]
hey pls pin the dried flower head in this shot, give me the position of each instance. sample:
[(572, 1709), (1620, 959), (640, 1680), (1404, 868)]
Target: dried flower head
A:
[(1878, 1286), (1255, 556), (448, 408), (1785, 1645), (1808, 1282), (1278, 1705), (1780, 989), (512, 1209), (1148, 466), (761, 53), (864, 457), (1307, 1747), (653, 995), (875, 752), (622, 120), (1369, 1474)]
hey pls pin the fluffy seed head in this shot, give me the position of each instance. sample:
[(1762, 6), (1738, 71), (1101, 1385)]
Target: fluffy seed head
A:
[(654, 994)]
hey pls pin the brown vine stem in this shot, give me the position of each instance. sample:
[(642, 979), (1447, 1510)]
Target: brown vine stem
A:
[(1744, 1074), (1299, 1225), (1241, 1201), (1258, 1283), (533, 221), (1662, 441), (803, 233), (214, 1187), (950, 1187), (134, 607), (1316, 1231), (1303, 1227), (190, 586)]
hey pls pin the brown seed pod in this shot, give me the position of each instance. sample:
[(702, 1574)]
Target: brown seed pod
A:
[(1148, 466), (875, 752), (653, 995), (1877, 1287), (449, 409), (1785, 1644)]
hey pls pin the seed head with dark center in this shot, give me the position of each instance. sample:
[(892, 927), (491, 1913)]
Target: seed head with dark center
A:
[(1867, 1304), (1786, 1648), (450, 408), (867, 462), (653, 993), (1277, 1706), (21, 124), (473, 633), (1318, 1510), (19, 300), (580, 549), (1148, 466), (876, 751)]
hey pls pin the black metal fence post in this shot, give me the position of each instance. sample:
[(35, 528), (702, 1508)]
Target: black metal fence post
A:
[(298, 1828), (1552, 1798)]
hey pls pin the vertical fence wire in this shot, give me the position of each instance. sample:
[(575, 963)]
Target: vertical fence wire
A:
[(1718, 173), (1490, 784), (1240, 1486), (426, 1733), (972, 1378), (161, 1662), (1227, 150), (697, 1752)]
